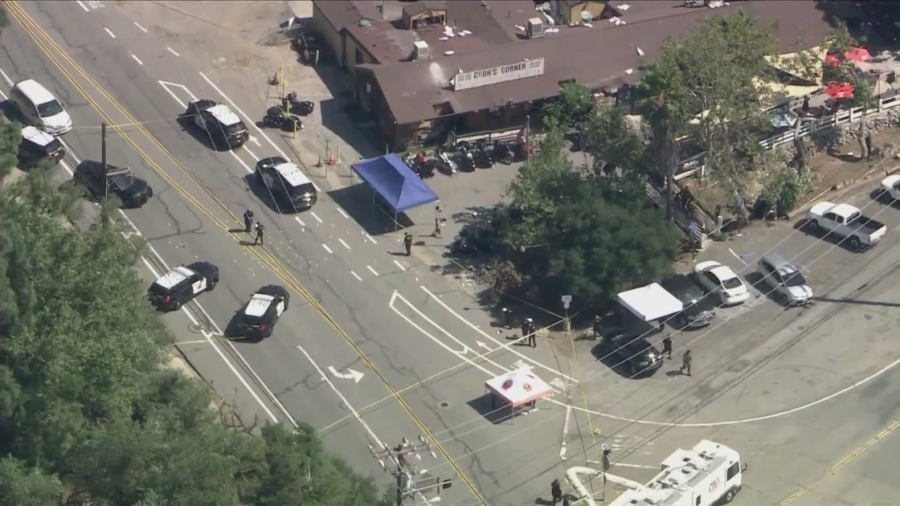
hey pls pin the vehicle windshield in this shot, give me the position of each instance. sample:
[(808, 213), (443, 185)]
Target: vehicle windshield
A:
[(53, 146), (732, 283), (123, 181), (235, 129), (853, 217), (795, 279), (51, 108), (251, 320)]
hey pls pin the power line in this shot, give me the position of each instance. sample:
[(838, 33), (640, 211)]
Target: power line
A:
[(411, 480)]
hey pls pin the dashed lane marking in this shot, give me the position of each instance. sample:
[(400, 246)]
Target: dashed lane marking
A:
[(327, 248), (369, 237), (137, 60), (314, 215), (345, 244), (110, 33), (141, 27), (80, 3), (371, 270), (300, 221), (355, 275), (172, 51), (342, 213), (398, 264)]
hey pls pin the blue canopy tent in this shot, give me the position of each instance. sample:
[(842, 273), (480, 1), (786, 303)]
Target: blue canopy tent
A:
[(399, 187)]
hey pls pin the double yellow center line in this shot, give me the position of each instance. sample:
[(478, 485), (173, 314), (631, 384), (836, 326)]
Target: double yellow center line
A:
[(43, 40)]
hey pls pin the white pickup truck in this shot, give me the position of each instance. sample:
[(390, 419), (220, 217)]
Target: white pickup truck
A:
[(889, 191), (847, 221)]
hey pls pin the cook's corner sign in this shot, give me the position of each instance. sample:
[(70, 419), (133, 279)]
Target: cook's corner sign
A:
[(494, 75)]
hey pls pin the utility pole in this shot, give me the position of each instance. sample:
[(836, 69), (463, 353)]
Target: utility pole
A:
[(105, 172), (410, 479), (527, 142)]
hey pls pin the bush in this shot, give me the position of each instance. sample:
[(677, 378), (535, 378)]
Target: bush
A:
[(784, 187)]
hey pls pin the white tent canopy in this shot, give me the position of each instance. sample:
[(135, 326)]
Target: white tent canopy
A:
[(518, 387), (650, 302)]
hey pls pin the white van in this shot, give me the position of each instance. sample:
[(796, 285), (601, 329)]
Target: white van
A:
[(39, 107)]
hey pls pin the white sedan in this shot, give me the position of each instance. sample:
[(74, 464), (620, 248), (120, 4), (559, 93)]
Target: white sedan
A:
[(890, 188), (720, 279)]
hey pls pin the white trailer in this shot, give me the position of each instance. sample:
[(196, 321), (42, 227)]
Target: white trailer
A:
[(708, 474)]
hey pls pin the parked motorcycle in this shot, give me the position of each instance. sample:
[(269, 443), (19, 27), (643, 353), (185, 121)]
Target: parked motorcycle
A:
[(483, 158), (503, 153), (423, 166), (276, 118), (466, 157), (297, 106), (444, 163)]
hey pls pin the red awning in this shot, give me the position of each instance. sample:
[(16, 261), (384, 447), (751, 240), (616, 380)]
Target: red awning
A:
[(857, 54)]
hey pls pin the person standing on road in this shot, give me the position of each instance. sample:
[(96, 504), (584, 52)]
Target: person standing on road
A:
[(507, 318), (667, 346), (596, 328), (556, 491), (259, 235), (437, 227), (686, 363), (407, 243), (530, 332), (248, 221)]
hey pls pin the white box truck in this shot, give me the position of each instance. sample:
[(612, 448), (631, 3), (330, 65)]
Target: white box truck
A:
[(709, 474)]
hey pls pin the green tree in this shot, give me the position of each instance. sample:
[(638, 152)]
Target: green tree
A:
[(612, 140), (707, 86), (839, 43), (21, 485), (299, 471), (571, 108), (535, 193), (10, 137), (605, 240)]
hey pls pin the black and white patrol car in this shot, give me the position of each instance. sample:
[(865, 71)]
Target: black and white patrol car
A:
[(286, 181), (180, 285), (259, 316), (225, 128), (37, 146)]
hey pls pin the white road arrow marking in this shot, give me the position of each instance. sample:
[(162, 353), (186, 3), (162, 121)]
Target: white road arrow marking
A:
[(350, 374), (254, 140), (482, 345)]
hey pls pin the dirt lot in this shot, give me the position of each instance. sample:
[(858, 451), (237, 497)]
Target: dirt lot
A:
[(834, 171)]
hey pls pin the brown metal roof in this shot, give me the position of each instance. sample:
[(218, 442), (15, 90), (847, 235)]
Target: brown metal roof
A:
[(596, 57)]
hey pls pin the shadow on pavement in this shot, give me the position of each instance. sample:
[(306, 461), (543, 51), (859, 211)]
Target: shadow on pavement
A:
[(482, 405), (358, 202), (344, 119)]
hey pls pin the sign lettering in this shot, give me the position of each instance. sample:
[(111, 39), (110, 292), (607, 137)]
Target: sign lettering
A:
[(503, 73)]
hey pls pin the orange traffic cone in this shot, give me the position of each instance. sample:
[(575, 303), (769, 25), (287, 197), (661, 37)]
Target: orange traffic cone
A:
[(319, 163), (331, 159)]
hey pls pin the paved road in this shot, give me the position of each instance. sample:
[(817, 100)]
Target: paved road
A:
[(411, 325), (354, 296)]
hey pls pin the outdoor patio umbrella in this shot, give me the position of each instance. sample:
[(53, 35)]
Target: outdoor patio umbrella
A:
[(782, 119), (838, 90), (857, 54)]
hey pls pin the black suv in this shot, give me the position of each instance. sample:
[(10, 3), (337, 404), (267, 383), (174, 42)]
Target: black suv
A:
[(261, 313), (180, 285), (285, 180), (699, 310), (633, 354), (120, 181), (225, 128), (37, 146)]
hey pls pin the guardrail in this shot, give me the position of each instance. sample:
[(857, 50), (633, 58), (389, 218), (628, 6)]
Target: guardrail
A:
[(826, 123)]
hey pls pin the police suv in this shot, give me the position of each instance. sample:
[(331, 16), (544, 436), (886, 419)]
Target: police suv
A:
[(225, 128), (37, 146), (286, 180), (182, 284), (259, 316)]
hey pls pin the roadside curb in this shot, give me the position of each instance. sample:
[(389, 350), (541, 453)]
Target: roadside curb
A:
[(856, 184)]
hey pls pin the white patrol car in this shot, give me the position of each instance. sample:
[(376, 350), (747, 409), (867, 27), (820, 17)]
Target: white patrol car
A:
[(37, 146), (285, 180), (224, 127), (259, 316), (182, 284)]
